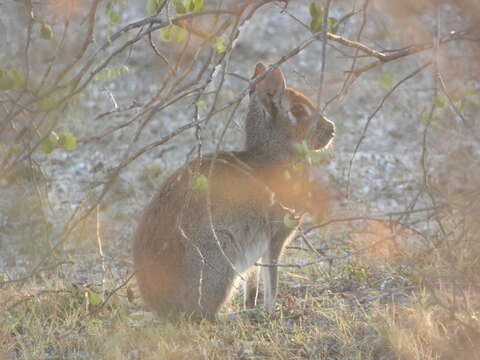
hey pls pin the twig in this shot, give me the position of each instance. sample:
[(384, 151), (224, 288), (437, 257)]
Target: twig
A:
[(325, 25), (377, 109), (326, 258), (100, 250)]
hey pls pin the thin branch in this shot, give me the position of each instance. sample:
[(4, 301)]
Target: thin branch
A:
[(325, 25), (377, 109)]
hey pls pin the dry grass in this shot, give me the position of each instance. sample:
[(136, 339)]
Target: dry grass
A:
[(357, 308)]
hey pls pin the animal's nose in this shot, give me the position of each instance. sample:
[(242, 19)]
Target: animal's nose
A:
[(324, 134), (328, 126)]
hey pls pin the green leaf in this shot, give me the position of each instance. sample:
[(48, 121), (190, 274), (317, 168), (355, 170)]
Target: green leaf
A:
[(439, 101), (311, 156), (67, 140), (197, 5), (316, 13), (470, 91), (6, 81), (153, 171), (316, 25), (45, 104), (46, 147), (108, 73), (10, 79), (180, 7), (386, 79), (165, 33), (425, 117), (53, 138), (46, 31), (94, 298), (114, 17), (202, 106), (332, 24), (17, 79), (109, 7), (290, 222), (173, 33), (178, 34), (220, 44), (16, 149), (200, 182), (188, 5), (286, 175), (303, 149), (318, 156), (152, 6), (49, 143)]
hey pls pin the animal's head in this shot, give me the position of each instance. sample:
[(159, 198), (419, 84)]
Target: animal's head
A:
[(282, 122)]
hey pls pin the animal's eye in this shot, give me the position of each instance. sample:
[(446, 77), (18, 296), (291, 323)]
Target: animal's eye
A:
[(299, 111)]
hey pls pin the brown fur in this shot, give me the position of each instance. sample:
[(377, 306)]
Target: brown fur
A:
[(193, 242)]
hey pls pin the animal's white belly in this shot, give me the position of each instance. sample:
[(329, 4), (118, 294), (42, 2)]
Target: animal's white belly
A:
[(252, 253)]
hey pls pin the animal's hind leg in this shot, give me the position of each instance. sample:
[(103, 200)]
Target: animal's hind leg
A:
[(206, 287), (250, 291)]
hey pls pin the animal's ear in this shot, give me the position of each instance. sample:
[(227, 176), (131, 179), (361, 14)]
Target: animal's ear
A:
[(273, 83), (259, 68)]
